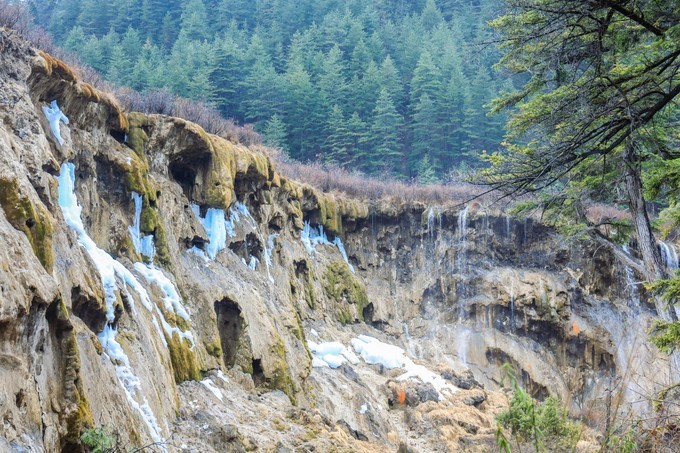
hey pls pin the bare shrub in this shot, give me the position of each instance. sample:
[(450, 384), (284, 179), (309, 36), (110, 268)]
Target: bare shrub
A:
[(15, 15)]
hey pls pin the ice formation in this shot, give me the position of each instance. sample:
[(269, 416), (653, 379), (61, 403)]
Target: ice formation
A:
[(338, 243), (108, 269), (312, 236), (54, 115), (143, 243), (270, 248)]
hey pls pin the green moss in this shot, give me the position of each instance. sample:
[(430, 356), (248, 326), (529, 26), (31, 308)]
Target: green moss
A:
[(344, 317), (183, 360), (280, 378), (341, 285), (214, 349), (137, 137), (78, 421), (33, 221), (298, 330), (330, 217)]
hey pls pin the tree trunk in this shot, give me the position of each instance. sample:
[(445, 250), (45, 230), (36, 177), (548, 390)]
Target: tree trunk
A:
[(651, 256)]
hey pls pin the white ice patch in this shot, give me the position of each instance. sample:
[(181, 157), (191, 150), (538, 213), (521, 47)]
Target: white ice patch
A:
[(253, 262), (237, 212), (221, 376), (143, 243), (374, 351), (210, 385), (364, 409), (154, 320), (215, 226), (54, 115), (332, 354)]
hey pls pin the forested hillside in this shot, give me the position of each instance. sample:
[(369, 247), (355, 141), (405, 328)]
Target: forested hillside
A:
[(380, 86)]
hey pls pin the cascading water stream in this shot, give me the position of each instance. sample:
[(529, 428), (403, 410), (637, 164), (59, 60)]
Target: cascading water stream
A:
[(669, 256), (462, 260), (512, 304)]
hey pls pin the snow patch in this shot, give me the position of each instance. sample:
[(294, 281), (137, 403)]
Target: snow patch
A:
[(210, 385), (332, 354), (374, 351)]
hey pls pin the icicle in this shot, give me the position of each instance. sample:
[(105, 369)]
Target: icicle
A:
[(311, 237), (338, 243), (54, 115), (215, 226)]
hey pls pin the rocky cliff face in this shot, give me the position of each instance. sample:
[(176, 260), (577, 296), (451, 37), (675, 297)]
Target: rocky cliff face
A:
[(173, 286)]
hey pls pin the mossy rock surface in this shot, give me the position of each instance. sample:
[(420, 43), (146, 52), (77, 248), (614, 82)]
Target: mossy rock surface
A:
[(33, 220), (342, 286), (183, 360), (280, 378)]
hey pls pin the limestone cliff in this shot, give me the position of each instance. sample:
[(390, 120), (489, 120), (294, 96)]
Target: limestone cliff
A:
[(164, 282)]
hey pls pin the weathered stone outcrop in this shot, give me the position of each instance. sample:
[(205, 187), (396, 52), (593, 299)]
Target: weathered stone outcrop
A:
[(474, 289)]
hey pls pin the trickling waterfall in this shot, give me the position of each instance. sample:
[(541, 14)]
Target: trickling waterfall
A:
[(462, 342), (462, 239), (462, 225), (512, 304), (669, 256), (631, 286), (507, 226), (433, 217)]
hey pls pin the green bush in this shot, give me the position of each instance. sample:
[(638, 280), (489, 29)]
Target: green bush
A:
[(99, 440), (545, 425)]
